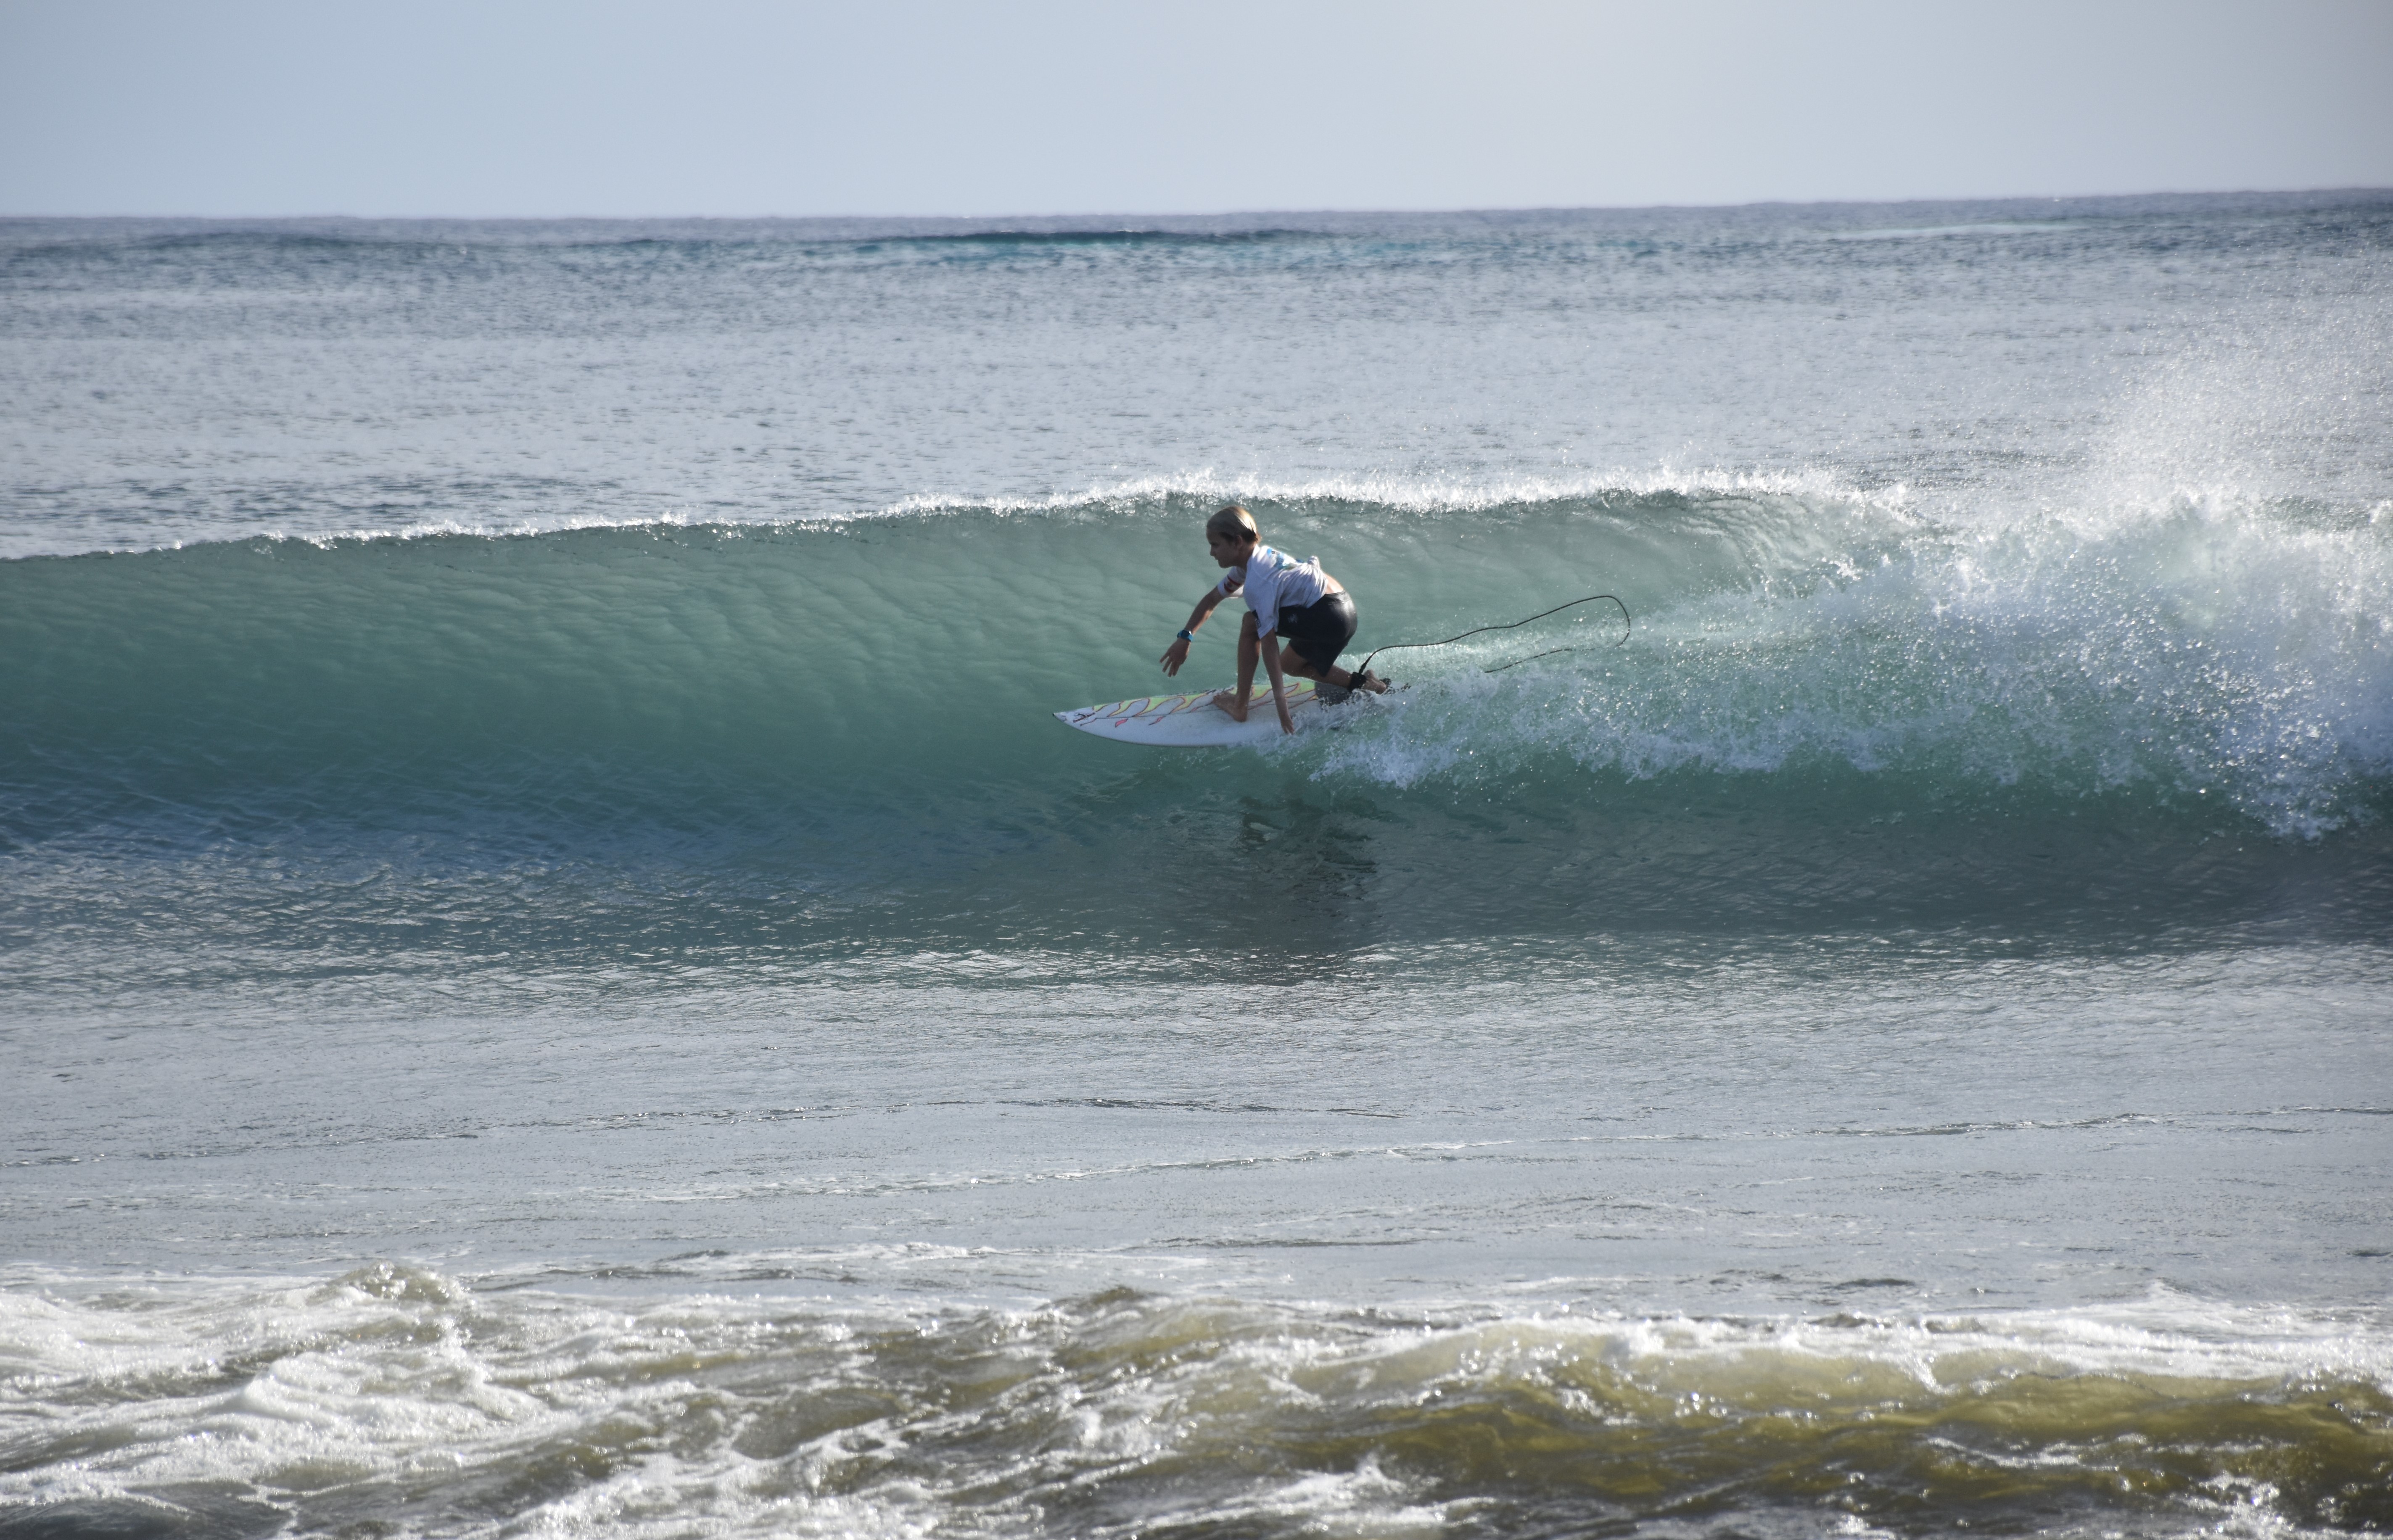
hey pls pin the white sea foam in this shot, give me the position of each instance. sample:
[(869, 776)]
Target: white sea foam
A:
[(397, 1395), (1134, 497), (2217, 649)]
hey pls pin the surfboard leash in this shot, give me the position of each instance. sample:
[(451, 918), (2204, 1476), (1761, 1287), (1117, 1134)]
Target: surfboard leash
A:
[(1625, 625)]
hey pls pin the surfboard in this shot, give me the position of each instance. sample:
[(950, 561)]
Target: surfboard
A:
[(1191, 721)]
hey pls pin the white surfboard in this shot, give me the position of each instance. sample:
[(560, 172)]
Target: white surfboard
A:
[(1191, 721)]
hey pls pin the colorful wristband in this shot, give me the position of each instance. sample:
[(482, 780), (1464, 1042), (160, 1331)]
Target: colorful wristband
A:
[(1186, 637)]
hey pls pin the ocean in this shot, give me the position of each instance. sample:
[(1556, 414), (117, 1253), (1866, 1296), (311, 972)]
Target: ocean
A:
[(559, 976)]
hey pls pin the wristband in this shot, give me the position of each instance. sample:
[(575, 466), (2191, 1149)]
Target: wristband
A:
[(1186, 637)]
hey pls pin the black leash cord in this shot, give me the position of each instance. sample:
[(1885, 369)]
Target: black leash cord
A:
[(1626, 623)]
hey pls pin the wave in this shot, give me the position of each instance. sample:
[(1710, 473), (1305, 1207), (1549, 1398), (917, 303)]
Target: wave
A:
[(1824, 691), (395, 1396)]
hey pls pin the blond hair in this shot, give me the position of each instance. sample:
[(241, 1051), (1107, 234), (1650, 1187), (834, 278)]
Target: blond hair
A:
[(1234, 522)]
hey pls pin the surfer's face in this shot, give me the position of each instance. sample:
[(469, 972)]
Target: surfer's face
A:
[(1226, 551)]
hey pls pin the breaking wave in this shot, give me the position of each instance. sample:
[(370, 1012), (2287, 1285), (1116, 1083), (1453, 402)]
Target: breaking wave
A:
[(1831, 704), (402, 1398)]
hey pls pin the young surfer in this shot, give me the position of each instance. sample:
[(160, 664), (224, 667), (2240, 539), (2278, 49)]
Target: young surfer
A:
[(1286, 600)]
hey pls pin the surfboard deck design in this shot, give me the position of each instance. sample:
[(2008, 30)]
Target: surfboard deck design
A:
[(1191, 721)]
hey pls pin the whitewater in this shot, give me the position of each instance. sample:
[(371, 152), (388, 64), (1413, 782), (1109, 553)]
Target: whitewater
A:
[(559, 976)]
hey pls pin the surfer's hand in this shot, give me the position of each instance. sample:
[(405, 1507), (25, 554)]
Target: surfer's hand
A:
[(1286, 724), (1174, 656)]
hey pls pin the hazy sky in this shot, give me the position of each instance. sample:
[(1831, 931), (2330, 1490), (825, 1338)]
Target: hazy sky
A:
[(743, 106)]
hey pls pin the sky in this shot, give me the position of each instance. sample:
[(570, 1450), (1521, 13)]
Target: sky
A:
[(555, 108)]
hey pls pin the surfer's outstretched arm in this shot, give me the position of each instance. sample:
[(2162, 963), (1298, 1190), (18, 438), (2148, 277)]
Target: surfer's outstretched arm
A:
[(1177, 653)]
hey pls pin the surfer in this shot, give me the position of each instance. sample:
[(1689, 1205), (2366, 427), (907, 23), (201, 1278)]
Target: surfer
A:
[(1287, 600)]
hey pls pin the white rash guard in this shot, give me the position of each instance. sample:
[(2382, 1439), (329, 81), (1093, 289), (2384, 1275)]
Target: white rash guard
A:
[(1273, 580)]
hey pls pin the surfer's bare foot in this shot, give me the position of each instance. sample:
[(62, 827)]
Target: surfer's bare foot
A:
[(1364, 679), (1229, 701)]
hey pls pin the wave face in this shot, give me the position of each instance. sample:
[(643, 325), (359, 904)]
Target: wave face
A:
[(393, 1397), (1833, 710)]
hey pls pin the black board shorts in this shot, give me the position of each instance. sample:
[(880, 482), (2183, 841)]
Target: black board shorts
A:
[(1320, 631)]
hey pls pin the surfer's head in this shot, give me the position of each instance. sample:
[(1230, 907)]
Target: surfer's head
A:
[(1232, 536)]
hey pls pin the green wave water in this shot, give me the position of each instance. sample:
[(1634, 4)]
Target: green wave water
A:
[(1832, 710)]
